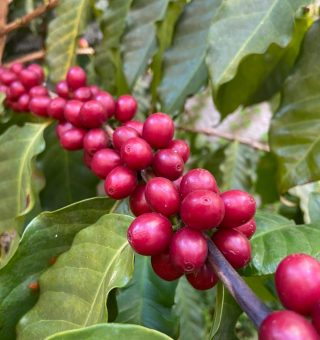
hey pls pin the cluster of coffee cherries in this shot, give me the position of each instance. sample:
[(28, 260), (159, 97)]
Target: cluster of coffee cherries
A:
[(175, 213), (297, 281)]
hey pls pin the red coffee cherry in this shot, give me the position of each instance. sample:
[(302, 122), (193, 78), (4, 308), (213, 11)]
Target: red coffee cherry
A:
[(164, 268), (63, 127), (177, 183), (188, 250), (126, 107), (150, 234), (7, 77), (83, 43), (181, 148), (234, 246), (23, 103), (134, 124), (158, 130), (29, 78), (3, 89), (93, 114), (204, 278), (56, 108), (72, 139), (39, 105), (240, 208), (16, 68), (94, 140), (136, 153), (120, 182), (38, 91), (76, 77), (62, 89), (202, 209), (72, 112), (104, 161), (248, 229), (286, 325), (316, 316), (121, 135), (83, 94), (94, 90), (162, 196), (297, 280), (38, 70), (107, 101), (138, 203), (168, 164), (197, 179), (15, 90)]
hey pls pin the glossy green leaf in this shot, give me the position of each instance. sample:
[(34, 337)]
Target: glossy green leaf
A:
[(184, 69), (68, 180), (294, 135), (107, 59), (314, 207), (111, 331), (18, 148), (218, 309), (64, 31), (47, 236), (73, 291), (255, 25), (142, 18), (275, 238), (147, 300)]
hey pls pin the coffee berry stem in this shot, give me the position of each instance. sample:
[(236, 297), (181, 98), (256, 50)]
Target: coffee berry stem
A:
[(256, 310)]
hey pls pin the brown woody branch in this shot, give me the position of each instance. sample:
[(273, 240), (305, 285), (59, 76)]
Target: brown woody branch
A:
[(4, 7)]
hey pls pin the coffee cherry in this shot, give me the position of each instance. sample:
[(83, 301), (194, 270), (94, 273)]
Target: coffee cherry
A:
[(286, 325), (150, 234), (3, 88), (7, 77), (76, 77), (104, 161), (234, 246), (136, 153), (248, 229), (158, 130), (297, 280), (62, 89), (16, 68), (38, 91), (121, 135), (107, 101), (197, 179), (15, 90), (95, 140), (134, 124), (94, 90), (181, 148), (92, 114), (138, 203), (120, 182), (29, 78), (177, 183), (83, 94), (203, 279), (202, 209), (240, 208), (39, 105), (38, 70), (83, 43), (162, 196), (72, 139), (23, 103), (316, 316), (56, 108), (164, 268), (63, 127), (188, 250), (168, 164), (126, 107), (72, 112)]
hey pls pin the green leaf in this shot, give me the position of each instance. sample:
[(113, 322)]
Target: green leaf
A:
[(18, 147), (260, 76), (238, 167), (314, 207), (107, 61), (184, 69), (47, 236), (137, 52), (294, 133), (110, 332), (63, 33), (218, 309), (147, 300), (68, 179), (255, 25), (73, 291), (275, 238)]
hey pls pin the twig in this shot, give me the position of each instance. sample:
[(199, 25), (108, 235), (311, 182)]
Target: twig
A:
[(28, 17), (228, 136), (4, 7), (256, 310)]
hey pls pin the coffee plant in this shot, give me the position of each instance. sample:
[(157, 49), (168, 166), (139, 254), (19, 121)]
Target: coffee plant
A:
[(160, 169)]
